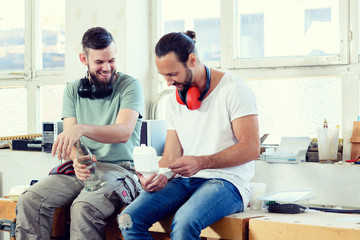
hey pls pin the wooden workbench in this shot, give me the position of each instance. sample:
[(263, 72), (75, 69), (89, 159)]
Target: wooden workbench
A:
[(7, 208), (252, 225), (234, 226), (313, 225)]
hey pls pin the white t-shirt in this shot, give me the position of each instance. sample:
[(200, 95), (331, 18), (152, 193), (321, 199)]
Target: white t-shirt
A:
[(208, 129)]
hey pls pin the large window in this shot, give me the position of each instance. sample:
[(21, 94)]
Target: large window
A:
[(32, 50)]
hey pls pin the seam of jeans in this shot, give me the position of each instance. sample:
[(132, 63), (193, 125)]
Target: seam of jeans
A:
[(235, 194)]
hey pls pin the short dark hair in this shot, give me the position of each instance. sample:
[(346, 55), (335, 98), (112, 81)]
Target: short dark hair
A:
[(96, 38), (182, 44)]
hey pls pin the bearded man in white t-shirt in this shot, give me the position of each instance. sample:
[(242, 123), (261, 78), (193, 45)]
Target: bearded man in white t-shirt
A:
[(212, 140)]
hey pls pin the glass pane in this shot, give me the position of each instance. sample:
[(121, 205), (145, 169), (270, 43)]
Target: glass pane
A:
[(282, 28), (52, 20), (202, 16), (51, 102), (251, 35), (208, 43), (12, 48), (13, 118), (296, 107)]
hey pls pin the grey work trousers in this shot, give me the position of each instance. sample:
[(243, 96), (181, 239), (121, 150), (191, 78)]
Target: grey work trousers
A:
[(36, 206)]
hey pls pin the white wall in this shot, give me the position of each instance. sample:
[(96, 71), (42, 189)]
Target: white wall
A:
[(20, 167), (332, 184)]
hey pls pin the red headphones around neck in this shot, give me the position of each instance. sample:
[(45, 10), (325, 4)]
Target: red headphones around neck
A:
[(191, 97)]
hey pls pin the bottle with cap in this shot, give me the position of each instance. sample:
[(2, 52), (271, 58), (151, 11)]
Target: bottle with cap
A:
[(325, 125)]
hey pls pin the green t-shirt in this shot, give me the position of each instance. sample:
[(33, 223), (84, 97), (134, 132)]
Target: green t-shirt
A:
[(127, 94)]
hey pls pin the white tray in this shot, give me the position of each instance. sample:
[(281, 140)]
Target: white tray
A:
[(288, 196)]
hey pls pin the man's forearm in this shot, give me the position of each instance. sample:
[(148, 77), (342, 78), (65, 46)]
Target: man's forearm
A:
[(230, 157), (115, 133)]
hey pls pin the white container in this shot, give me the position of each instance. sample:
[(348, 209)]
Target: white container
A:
[(16, 191), (147, 163), (328, 144), (257, 190), (145, 160)]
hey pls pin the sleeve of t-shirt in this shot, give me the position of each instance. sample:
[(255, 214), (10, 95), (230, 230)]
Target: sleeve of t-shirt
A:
[(133, 97), (242, 101), (69, 102), (170, 106)]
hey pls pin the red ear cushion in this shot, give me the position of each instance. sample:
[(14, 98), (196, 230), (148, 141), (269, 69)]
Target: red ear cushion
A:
[(178, 98), (192, 98)]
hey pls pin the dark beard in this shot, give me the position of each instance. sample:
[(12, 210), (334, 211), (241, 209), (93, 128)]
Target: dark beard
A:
[(189, 77), (102, 87)]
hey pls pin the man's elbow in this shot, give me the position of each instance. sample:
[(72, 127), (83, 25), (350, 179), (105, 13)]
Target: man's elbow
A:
[(125, 136), (254, 151)]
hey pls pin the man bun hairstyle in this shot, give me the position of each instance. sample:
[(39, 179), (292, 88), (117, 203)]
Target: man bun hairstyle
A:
[(181, 43), (96, 38)]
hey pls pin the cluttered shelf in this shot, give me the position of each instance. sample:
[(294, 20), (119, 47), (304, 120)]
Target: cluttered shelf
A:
[(303, 149)]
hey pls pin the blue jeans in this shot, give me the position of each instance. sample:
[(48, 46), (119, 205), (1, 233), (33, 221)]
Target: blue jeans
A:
[(198, 202)]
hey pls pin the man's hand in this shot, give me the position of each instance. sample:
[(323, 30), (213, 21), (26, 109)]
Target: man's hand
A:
[(65, 141), (80, 169), (151, 184), (186, 166)]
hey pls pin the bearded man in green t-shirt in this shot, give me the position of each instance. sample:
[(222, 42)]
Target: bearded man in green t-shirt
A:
[(104, 111)]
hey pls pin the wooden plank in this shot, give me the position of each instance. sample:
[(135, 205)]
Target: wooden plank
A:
[(231, 227), (7, 209), (355, 141), (356, 129), (59, 222), (27, 136), (312, 225)]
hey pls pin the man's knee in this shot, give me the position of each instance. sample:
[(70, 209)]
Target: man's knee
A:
[(83, 210), (29, 224), (124, 221), (29, 199), (182, 221)]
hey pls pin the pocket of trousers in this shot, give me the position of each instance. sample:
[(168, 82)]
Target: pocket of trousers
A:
[(120, 194)]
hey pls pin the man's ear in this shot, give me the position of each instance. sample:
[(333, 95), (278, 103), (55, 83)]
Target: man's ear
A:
[(83, 58), (191, 60)]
